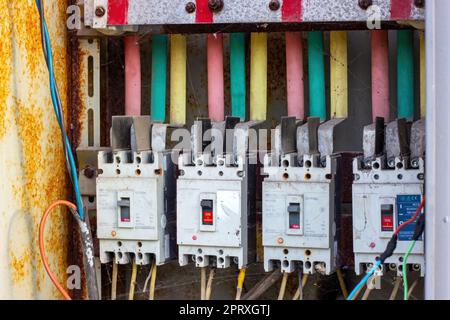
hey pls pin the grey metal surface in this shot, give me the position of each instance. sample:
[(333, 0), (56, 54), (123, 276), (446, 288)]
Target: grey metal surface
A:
[(417, 144), (373, 139), (156, 12), (437, 281), (307, 137), (397, 144), (141, 134), (327, 137)]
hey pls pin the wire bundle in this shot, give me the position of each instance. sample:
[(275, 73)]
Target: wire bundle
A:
[(57, 106)]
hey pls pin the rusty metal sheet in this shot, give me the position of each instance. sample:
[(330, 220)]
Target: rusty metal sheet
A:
[(177, 12), (32, 170)]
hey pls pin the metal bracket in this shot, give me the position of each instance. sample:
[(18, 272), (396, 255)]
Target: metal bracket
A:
[(397, 144), (326, 136), (307, 137), (373, 139)]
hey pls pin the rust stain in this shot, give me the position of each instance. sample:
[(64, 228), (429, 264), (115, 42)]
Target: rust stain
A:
[(43, 167), (5, 66)]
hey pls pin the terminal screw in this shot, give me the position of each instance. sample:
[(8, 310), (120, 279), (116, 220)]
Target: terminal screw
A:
[(215, 5), (100, 11), (274, 5), (365, 4), (190, 7)]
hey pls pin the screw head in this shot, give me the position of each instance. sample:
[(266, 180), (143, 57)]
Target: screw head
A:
[(274, 5), (215, 5), (89, 172), (365, 4), (419, 3), (191, 7), (100, 11)]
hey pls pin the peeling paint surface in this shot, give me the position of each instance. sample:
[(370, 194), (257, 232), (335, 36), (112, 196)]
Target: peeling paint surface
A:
[(32, 169)]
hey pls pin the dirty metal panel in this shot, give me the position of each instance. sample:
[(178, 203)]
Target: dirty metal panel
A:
[(90, 92), (177, 12), (32, 171)]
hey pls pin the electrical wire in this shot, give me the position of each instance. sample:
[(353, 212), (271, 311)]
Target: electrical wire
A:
[(115, 271), (283, 286), (299, 293), (413, 219), (149, 277), (341, 280), (390, 247), (394, 292), (212, 273), (57, 106), (370, 287), (413, 286), (364, 280), (133, 280), (153, 281), (405, 276), (240, 285), (47, 212), (203, 283)]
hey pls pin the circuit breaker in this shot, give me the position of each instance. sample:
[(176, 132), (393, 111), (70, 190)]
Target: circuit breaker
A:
[(300, 198), (136, 190), (216, 218), (387, 191)]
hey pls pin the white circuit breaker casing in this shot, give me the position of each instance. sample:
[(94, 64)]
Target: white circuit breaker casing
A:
[(216, 216), (384, 198), (136, 199), (299, 228)]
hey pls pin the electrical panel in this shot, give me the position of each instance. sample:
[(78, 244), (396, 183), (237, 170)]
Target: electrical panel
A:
[(388, 189), (300, 200), (136, 194), (216, 215)]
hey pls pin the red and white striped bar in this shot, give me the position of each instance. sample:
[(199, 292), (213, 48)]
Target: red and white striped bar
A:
[(170, 12)]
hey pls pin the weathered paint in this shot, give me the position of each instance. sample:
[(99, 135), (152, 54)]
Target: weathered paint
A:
[(132, 76), (258, 77), (178, 79), (316, 66), (405, 74), (159, 77), (32, 167), (216, 98), (339, 74), (295, 75), (238, 75), (147, 12), (380, 74)]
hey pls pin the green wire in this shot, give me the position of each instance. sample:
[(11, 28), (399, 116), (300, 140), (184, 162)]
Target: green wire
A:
[(405, 277)]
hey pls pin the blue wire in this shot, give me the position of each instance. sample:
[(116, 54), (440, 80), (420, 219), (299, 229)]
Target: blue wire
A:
[(59, 116), (364, 280)]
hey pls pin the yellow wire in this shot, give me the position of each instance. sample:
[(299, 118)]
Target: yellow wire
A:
[(153, 281), (398, 281), (212, 272), (133, 280), (241, 280), (283, 286), (114, 280), (299, 293), (203, 283), (341, 280)]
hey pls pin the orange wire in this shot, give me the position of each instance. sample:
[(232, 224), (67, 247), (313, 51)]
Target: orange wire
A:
[(41, 243)]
